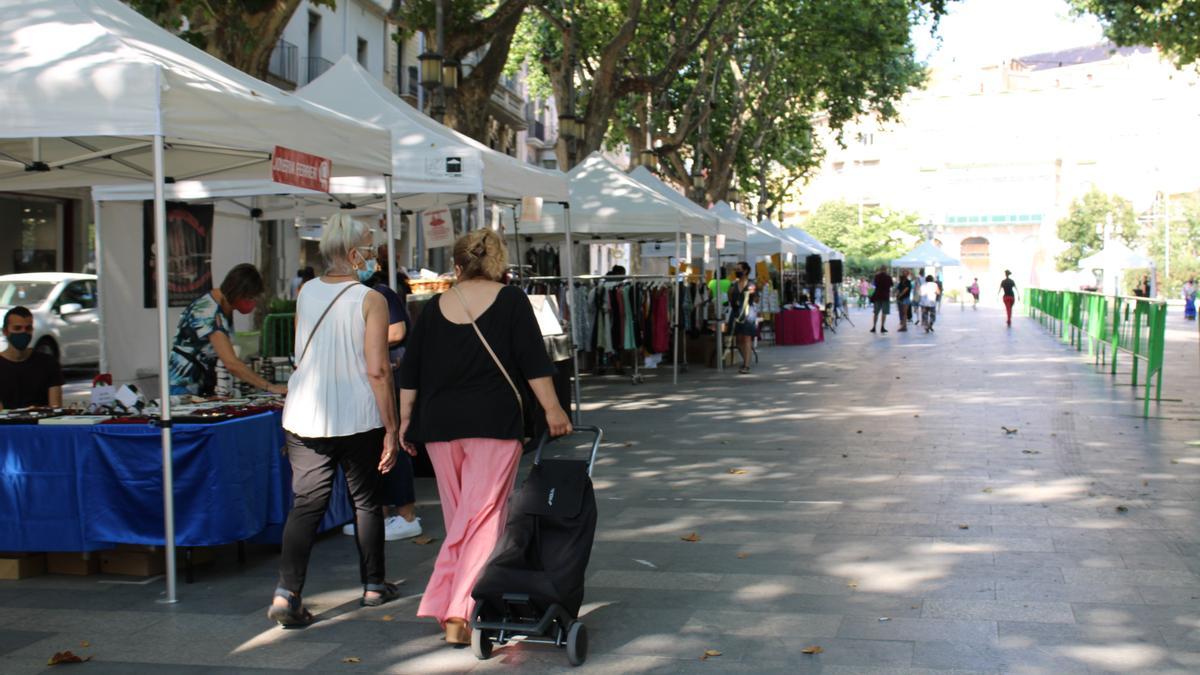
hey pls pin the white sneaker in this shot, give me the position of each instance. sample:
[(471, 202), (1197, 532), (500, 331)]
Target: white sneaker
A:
[(397, 527)]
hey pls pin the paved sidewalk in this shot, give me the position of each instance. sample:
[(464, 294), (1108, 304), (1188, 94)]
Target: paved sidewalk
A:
[(860, 496)]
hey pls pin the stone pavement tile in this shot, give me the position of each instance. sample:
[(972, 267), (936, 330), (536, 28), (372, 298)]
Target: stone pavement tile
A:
[(1136, 615), (1060, 559), (760, 624), (672, 581), (754, 585), (1020, 590), (1138, 577), (918, 630), (1023, 634), (944, 529), (989, 656), (1168, 595), (12, 640), (997, 610), (68, 620)]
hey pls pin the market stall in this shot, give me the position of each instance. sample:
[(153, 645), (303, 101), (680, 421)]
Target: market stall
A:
[(130, 102), (606, 204)]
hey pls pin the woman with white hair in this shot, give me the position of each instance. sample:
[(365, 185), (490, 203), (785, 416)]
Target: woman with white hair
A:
[(340, 411)]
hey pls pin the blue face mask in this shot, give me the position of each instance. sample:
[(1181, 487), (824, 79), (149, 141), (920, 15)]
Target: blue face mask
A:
[(368, 271), (20, 341)]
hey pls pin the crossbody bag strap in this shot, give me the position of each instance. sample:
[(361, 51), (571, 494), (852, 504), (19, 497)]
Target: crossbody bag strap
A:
[(488, 347), (317, 325)]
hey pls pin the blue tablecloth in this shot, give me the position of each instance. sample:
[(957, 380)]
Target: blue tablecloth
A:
[(86, 488)]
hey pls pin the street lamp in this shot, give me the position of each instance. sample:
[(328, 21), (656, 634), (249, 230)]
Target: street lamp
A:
[(649, 159), (734, 195), (431, 70), (450, 75)]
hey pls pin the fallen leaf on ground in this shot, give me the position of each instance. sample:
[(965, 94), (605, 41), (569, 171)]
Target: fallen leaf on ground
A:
[(709, 653), (738, 472), (743, 555), (812, 650), (85, 644), (1174, 461), (852, 584), (1122, 509), (964, 526), (351, 659), (916, 415), (859, 431), (66, 657), (845, 456), (424, 540), (988, 490), (693, 537), (1145, 483), (387, 617), (627, 444), (1008, 431)]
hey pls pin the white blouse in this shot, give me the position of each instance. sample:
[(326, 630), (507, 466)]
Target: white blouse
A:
[(329, 393)]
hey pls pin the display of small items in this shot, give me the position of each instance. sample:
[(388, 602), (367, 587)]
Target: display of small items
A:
[(276, 370)]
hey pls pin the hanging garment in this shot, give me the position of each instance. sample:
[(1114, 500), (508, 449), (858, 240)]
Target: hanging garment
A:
[(662, 328), (628, 314)]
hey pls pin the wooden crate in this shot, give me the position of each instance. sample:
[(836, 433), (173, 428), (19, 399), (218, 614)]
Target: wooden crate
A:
[(22, 565), (73, 564)]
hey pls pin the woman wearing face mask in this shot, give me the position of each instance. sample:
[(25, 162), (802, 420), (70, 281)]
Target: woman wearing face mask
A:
[(203, 336)]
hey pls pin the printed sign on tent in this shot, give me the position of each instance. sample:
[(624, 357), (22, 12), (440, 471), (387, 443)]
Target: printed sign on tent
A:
[(531, 209), (189, 253), (292, 167), (438, 226)]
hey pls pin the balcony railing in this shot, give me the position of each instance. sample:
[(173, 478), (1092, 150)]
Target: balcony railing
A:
[(537, 129), (316, 66), (285, 62), (509, 106)]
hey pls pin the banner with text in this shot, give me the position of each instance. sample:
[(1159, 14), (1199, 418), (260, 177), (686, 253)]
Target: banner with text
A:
[(292, 167)]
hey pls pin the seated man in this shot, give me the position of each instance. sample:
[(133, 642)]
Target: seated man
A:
[(27, 378)]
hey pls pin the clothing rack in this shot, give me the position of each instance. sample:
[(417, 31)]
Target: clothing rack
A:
[(673, 280)]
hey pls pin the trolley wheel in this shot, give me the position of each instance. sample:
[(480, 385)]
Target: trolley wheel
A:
[(481, 644), (577, 644)]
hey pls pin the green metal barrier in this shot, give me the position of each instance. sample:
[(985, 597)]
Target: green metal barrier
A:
[(1108, 325), (278, 335)]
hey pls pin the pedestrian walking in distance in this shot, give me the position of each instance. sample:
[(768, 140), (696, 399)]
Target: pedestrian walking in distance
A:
[(904, 291), (459, 396), (929, 301), (340, 411), (881, 299), (1189, 299), (973, 289), (1008, 288)]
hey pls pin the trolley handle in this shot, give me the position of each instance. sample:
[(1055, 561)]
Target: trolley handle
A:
[(597, 437)]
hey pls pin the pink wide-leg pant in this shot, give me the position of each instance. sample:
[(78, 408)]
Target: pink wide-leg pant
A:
[(474, 478)]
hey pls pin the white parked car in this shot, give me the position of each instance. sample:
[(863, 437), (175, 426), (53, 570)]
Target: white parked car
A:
[(66, 323)]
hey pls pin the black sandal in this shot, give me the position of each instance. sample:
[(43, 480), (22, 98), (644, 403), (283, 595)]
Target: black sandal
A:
[(294, 615), (387, 593)]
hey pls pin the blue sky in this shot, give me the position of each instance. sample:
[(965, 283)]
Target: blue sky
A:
[(989, 31)]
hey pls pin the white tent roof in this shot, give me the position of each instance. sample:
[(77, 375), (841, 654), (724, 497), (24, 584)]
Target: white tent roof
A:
[(732, 229), (605, 201), (1116, 256), (805, 248), (421, 146), (93, 81), (814, 244), (926, 254), (759, 240)]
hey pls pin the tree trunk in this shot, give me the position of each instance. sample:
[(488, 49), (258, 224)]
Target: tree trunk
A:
[(467, 108)]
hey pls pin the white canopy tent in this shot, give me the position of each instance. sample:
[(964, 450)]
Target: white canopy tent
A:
[(94, 93), (732, 229), (818, 247), (1114, 259), (926, 254)]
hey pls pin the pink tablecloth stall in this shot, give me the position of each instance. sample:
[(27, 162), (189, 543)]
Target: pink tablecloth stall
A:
[(799, 327)]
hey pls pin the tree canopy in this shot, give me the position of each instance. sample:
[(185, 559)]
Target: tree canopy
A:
[(1083, 227), (1171, 25), (884, 234)]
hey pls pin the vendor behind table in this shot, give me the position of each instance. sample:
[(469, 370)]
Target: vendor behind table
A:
[(202, 338), (27, 377)]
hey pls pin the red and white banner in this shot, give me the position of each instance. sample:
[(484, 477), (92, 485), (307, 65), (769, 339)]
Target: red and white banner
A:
[(439, 227), (292, 167)]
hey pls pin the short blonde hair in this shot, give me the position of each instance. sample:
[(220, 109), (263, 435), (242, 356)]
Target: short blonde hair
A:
[(481, 254), (342, 232)]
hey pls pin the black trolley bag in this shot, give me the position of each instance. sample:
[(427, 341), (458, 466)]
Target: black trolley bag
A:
[(532, 587)]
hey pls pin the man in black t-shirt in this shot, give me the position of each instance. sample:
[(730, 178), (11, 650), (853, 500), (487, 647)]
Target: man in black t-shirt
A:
[(882, 299), (26, 377), (904, 299)]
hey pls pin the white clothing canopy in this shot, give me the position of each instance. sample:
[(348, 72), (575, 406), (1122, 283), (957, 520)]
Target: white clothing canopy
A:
[(815, 245), (607, 202), (732, 229), (926, 254), (1115, 256)]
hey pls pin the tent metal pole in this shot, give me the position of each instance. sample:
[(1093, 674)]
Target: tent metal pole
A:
[(164, 382), (100, 281), (391, 232), (479, 211), (678, 319), (568, 255)]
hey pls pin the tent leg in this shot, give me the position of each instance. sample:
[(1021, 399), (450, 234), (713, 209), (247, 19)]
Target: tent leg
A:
[(164, 382), (391, 232), (568, 255), (479, 211), (100, 282), (678, 319)]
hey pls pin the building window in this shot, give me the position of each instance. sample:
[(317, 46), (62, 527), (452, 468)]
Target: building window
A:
[(31, 230), (974, 248), (362, 52)]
